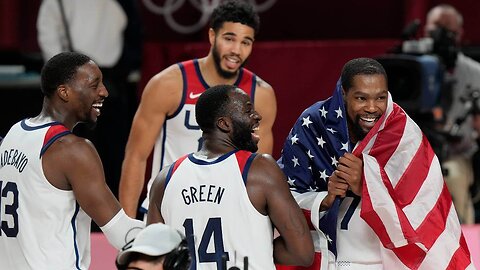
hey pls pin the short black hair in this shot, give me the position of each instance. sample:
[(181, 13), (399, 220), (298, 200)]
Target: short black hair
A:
[(212, 104), (360, 66), (60, 69), (235, 11)]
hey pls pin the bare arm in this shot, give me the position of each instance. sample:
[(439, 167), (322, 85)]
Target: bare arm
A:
[(161, 97), (156, 197), (268, 190), (72, 163), (266, 106)]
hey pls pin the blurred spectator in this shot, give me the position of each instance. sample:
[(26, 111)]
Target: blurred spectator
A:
[(445, 25)]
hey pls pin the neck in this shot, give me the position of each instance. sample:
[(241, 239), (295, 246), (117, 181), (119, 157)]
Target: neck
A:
[(215, 147), (51, 113)]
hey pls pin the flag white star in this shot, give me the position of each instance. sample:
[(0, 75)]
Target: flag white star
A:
[(306, 121), (311, 188), (331, 130), (294, 139), (295, 162), (310, 154), (320, 141), (324, 175), (334, 161), (310, 168), (339, 112), (324, 113), (344, 146), (291, 181)]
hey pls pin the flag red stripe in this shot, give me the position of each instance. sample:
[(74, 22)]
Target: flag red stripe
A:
[(434, 223), (461, 257), (415, 175), (388, 139)]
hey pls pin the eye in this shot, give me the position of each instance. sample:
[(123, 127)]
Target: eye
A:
[(247, 43)]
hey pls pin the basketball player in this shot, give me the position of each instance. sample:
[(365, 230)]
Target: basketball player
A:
[(166, 114), (226, 198), (52, 182)]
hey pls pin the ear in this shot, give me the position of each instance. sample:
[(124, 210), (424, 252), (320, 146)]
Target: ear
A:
[(224, 124), (62, 92), (211, 36), (344, 94)]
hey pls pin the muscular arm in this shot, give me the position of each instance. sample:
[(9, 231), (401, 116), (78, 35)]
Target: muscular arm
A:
[(266, 106), (156, 197), (161, 97), (72, 163), (269, 193)]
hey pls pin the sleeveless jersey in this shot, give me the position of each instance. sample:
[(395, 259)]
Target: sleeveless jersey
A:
[(180, 133), (42, 227), (357, 244), (208, 200)]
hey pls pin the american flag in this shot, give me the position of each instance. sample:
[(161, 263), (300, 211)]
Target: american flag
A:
[(404, 199)]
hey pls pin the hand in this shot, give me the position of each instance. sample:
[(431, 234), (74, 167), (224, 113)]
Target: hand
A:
[(336, 187), (350, 169)]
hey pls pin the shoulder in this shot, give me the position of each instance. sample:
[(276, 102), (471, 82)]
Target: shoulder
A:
[(263, 85), (73, 147), (264, 168)]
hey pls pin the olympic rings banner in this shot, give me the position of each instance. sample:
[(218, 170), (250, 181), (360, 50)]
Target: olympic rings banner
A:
[(171, 12)]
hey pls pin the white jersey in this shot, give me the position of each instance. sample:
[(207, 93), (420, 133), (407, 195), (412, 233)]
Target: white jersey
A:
[(208, 200), (180, 134), (358, 247), (43, 227)]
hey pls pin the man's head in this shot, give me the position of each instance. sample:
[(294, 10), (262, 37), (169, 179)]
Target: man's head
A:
[(76, 80), (233, 26), (447, 17), (365, 91), (228, 110), (156, 247)]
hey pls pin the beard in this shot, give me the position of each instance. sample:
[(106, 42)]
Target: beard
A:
[(216, 60), (242, 137), (355, 129)]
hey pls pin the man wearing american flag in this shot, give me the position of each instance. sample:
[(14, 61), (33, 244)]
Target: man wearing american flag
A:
[(369, 182)]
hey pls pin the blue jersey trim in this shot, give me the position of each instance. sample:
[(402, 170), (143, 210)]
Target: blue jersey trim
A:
[(252, 89), (203, 162), (74, 228), (164, 139), (24, 125), (239, 78), (184, 92), (247, 167), (199, 74)]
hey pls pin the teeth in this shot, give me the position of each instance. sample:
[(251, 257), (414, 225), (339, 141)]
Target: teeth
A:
[(368, 119), (256, 129), (97, 105), (233, 60)]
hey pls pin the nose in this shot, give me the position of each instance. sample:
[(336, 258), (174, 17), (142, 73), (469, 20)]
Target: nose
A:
[(256, 116), (371, 106), (103, 90), (235, 49)]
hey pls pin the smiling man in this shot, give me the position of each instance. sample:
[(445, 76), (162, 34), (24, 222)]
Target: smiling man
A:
[(369, 182), (51, 181), (236, 196), (165, 119)]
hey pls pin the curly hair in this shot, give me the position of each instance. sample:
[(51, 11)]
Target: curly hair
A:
[(234, 11)]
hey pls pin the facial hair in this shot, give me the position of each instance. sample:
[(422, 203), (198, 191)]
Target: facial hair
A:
[(216, 60), (242, 137)]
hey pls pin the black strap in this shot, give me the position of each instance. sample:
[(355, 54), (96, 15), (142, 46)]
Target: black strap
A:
[(65, 25)]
